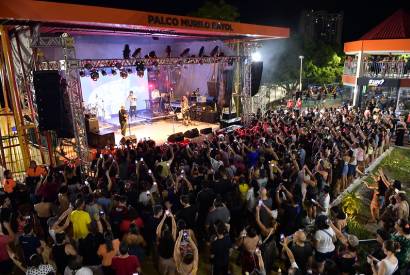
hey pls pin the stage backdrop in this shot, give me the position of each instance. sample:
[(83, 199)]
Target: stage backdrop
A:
[(109, 92)]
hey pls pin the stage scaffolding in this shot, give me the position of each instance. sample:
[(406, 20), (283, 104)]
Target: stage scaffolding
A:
[(70, 67)]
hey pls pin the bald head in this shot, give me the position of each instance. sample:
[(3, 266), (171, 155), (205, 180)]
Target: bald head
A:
[(299, 236)]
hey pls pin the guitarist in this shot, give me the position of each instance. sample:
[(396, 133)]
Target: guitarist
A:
[(185, 111)]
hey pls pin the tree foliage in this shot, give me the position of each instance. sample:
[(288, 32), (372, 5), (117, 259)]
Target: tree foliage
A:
[(321, 64), (217, 9)]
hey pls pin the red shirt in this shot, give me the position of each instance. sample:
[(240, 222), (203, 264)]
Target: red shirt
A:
[(125, 266), (4, 241), (125, 225)]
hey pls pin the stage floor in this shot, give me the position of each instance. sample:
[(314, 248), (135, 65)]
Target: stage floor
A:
[(160, 130)]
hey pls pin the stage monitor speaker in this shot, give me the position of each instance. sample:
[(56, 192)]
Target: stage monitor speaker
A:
[(130, 138), (177, 137), (206, 131), (212, 88), (209, 117), (53, 105), (193, 133), (256, 76)]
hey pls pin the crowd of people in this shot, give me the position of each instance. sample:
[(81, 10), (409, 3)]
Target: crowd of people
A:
[(264, 191)]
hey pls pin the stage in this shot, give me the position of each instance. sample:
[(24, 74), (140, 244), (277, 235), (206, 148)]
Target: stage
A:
[(160, 130)]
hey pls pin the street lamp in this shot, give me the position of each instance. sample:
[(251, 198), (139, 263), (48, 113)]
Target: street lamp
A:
[(256, 57), (300, 72)]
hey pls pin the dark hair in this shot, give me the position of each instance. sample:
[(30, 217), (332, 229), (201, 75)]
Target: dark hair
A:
[(60, 237), (321, 222), (181, 224), (404, 225), (157, 209), (383, 234), (220, 228), (134, 229), (391, 246), (123, 248), (251, 231), (185, 199), (35, 260), (218, 201), (78, 203), (108, 238)]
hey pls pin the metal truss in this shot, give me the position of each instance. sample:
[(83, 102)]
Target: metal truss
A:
[(123, 63), (73, 90)]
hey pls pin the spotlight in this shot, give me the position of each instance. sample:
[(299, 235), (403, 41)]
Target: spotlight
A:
[(185, 52), (94, 75), (140, 73), (123, 74), (126, 52), (214, 51), (201, 51), (137, 53), (129, 70), (103, 72), (118, 65), (82, 73), (88, 66), (168, 51), (256, 56), (152, 54), (113, 72)]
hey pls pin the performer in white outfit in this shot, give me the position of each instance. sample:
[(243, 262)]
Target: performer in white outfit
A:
[(132, 101)]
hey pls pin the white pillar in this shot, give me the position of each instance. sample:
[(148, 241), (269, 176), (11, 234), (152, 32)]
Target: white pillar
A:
[(356, 90)]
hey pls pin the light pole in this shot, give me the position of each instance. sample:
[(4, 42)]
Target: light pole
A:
[(300, 72)]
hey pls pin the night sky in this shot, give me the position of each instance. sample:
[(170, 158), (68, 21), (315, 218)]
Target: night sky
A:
[(359, 16)]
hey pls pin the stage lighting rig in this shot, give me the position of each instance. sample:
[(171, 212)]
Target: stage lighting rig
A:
[(118, 65), (201, 51), (214, 52), (113, 72), (129, 71), (126, 52), (82, 73), (123, 74), (88, 66), (185, 52), (168, 51), (103, 72), (94, 75), (137, 53)]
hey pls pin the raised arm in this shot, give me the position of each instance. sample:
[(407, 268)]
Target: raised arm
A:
[(159, 228)]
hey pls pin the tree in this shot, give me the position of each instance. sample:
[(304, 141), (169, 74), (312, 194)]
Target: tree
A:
[(286, 65), (217, 9)]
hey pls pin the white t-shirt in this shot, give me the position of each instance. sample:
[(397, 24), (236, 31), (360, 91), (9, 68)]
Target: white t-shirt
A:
[(324, 240), (324, 201), (81, 271)]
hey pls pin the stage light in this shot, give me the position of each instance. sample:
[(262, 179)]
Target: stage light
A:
[(113, 72), (256, 57), (168, 51), (88, 66), (126, 52), (152, 54), (94, 75), (201, 51), (137, 53), (103, 72), (82, 73), (214, 51), (129, 71), (185, 52), (118, 65), (150, 86), (123, 74)]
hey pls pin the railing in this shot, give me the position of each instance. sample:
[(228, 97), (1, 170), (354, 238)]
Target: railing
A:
[(391, 69), (350, 67)]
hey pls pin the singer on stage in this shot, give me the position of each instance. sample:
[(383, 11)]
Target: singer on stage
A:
[(132, 100), (185, 111), (123, 118)]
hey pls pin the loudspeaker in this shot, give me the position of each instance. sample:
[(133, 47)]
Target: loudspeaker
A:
[(212, 88), (209, 117), (91, 125), (206, 131), (193, 133), (256, 75), (228, 81), (177, 137), (130, 138), (53, 105)]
